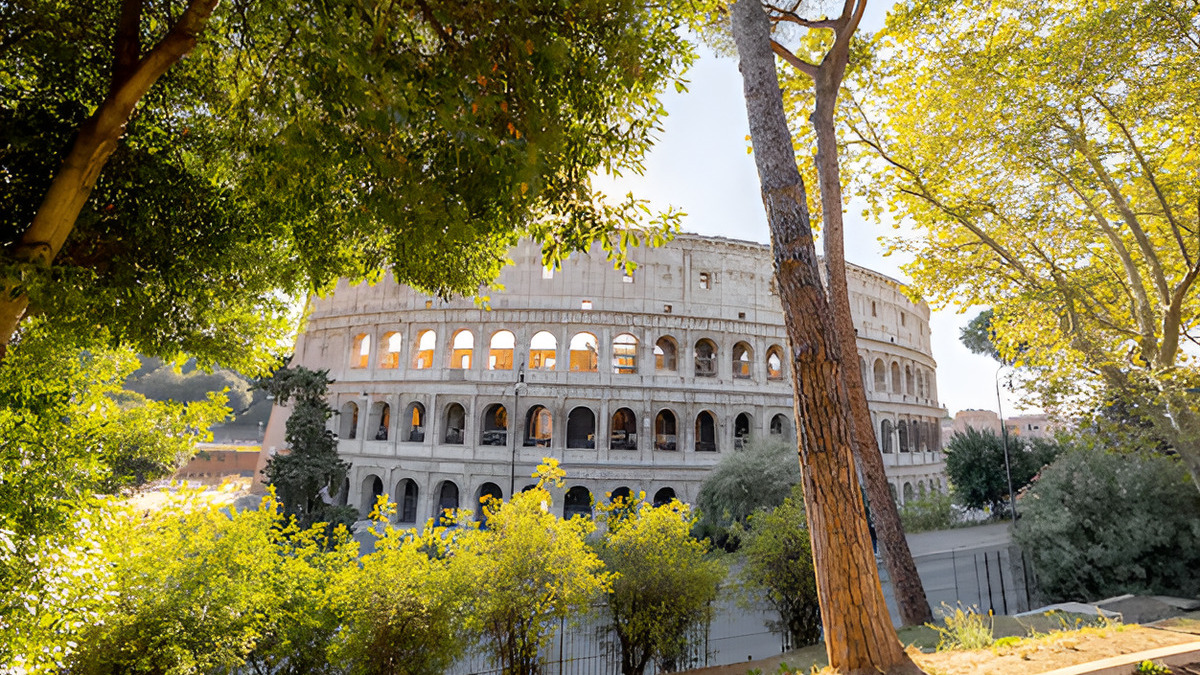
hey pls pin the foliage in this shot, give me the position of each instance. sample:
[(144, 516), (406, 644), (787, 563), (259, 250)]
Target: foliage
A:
[(1097, 524), (975, 466), (663, 584), (1149, 667), (964, 629), (779, 563), (527, 571), (189, 587), (1055, 193), (425, 140), (761, 476), (932, 511), (309, 476), (402, 609)]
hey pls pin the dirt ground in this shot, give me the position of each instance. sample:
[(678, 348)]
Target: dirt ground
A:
[(1050, 648)]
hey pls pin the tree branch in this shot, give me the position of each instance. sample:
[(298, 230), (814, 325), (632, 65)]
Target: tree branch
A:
[(795, 61), (127, 47), (789, 16)]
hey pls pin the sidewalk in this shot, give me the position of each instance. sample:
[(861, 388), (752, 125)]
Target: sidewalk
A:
[(978, 537)]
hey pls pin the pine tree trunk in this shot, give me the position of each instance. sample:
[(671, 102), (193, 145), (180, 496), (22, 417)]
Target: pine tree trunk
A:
[(906, 583), (859, 637)]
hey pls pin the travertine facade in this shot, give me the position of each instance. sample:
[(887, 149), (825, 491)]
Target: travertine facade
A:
[(638, 382)]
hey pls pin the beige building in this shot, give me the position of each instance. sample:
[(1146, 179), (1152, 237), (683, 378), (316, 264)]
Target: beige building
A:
[(1032, 425), (637, 382)]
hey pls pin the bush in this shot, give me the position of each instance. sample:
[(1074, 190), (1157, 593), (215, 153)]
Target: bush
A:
[(663, 587), (779, 563), (759, 477), (975, 467), (933, 511), (1097, 524)]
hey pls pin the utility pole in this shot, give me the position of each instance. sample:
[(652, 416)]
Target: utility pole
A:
[(1012, 499)]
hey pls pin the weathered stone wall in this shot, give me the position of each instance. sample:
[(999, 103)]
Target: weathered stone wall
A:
[(692, 290)]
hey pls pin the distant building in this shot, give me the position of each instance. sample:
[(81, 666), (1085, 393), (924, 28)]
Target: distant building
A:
[(1034, 425), (214, 463), (635, 382)]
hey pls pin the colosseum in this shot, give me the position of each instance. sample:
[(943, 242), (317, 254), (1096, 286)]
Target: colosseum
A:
[(634, 382)]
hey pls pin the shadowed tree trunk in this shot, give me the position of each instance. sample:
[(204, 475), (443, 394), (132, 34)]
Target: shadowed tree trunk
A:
[(827, 82), (133, 75), (859, 637)]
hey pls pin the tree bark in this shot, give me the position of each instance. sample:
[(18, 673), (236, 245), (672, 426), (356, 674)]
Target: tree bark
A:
[(859, 637), (906, 582), (93, 145)]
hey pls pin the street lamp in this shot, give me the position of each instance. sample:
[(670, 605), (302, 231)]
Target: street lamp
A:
[(518, 389), (1012, 499)]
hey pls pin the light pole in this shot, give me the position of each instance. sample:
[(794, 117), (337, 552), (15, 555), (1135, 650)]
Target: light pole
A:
[(513, 422), (1012, 499)]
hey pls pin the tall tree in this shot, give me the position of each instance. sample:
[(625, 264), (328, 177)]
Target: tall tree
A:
[(1061, 192), (859, 636), (822, 58), (175, 170)]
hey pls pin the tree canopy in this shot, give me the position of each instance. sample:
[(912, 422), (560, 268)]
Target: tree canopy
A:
[(289, 148), (1060, 192)]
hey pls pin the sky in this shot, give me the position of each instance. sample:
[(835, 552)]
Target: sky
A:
[(700, 165)]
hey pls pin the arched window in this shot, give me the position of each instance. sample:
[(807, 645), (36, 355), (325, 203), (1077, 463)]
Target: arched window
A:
[(892, 489), (742, 430), (664, 496), (780, 426), (380, 421), (916, 435), (920, 384), (581, 428), (665, 354), (585, 353), (349, 421), (885, 436), (406, 494), (664, 430), (495, 426), (389, 350), (620, 494), (500, 351), (908, 492), (447, 499), (623, 431), (578, 502), (625, 348), (706, 358), (462, 349), (360, 353), (742, 356), (775, 363), (895, 378), (862, 371), (372, 487), (539, 426), (543, 351), (423, 356), (880, 376), (902, 433), (487, 501), (706, 432), (908, 381), (456, 422), (415, 416)]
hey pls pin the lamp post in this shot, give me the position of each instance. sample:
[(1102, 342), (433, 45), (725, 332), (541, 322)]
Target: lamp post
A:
[(1012, 499), (514, 418)]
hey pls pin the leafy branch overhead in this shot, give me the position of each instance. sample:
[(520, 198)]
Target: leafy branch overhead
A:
[(284, 149)]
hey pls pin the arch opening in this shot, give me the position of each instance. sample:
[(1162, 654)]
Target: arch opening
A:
[(447, 499), (539, 426), (415, 416), (543, 351), (742, 430), (584, 353), (407, 493), (495, 426), (665, 435), (462, 349), (664, 496), (372, 488), (578, 502), (742, 357), (623, 432), (349, 421), (500, 350), (706, 432), (775, 363), (423, 355), (625, 348), (360, 353), (389, 350), (885, 436), (665, 354), (705, 357), (581, 428), (880, 376), (380, 421), (487, 500), (456, 422)]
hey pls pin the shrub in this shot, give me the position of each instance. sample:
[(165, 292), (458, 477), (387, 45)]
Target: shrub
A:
[(779, 563), (964, 629), (934, 511), (761, 476), (664, 585), (1097, 524)]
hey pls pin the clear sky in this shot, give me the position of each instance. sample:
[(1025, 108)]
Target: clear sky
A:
[(700, 165)]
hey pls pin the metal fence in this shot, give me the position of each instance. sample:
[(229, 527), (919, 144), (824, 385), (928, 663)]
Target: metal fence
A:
[(999, 580)]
